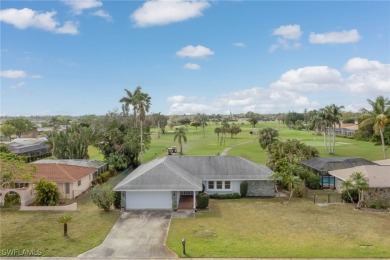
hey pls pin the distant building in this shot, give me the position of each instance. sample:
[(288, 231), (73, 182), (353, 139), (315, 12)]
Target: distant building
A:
[(29, 147)]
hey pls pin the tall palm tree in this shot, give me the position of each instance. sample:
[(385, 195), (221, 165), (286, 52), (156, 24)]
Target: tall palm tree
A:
[(335, 115), (379, 116), (142, 104), (127, 101), (217, 130), (181, 137), (267, 136)]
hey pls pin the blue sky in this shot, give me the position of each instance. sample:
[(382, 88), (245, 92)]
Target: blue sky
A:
[(77, 57)]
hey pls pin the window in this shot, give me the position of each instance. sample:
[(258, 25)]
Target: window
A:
[(211, 185), (78, 182), (219, 185), (227, 185), (67, 188)]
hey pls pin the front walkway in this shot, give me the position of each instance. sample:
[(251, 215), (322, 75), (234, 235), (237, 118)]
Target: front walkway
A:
[(136, 234)]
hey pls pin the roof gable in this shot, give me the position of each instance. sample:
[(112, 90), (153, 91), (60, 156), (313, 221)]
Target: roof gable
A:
[(61, 172)]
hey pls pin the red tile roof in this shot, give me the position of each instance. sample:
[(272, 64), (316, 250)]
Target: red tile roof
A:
[(61, 172)]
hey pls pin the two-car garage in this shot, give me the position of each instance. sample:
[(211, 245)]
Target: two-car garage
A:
[(148, 200)]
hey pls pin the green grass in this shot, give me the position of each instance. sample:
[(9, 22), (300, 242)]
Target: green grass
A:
[(23, 230), (267, 228)]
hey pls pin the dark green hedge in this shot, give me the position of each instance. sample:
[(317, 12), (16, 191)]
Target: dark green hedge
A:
[(243, 188), (225, 196), (202, 201)]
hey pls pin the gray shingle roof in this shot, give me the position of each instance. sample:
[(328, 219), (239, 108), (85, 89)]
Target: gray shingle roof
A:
[(28, 145), (74, 162), (186, 173), (323, 165)]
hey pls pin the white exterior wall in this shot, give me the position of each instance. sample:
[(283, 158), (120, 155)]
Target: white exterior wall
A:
[(234, 188), (148, 200), (85, 184), (337, 183)]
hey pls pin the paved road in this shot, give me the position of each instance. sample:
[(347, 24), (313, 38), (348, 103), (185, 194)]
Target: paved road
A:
[(137, 234)]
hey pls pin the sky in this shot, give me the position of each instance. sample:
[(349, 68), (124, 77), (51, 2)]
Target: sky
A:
[(75, 58)]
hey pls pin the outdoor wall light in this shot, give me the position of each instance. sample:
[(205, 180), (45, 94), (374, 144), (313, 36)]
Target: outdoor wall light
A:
[(183, 241)]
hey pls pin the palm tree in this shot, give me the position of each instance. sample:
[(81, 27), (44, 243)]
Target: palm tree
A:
[(142, 104), (127, 101), (65, 220), (347, 185), (180, 135), (267, 136), (289, 179), (361, 184), (379, 116), (335, 116)]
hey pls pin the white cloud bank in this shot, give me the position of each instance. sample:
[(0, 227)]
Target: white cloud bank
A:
[(13, 74), (28, 18), (162, 12), (197, 52), (103, 14), (350, 36), (297, 89)]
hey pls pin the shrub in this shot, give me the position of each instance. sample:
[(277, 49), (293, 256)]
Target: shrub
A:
[(11, 199), (311, 179), (225, 196), (118, 200), (354, 194), (103, 196), (202, 201), (47, 193), (378, 204), (243, 188), (104, 177)]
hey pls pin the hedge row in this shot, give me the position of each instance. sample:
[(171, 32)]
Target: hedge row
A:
[(225, 196)]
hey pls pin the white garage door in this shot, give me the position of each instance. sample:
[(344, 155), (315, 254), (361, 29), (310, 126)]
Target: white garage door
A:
[(148, 200)]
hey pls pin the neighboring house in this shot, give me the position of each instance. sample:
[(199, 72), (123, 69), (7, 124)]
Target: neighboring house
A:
[(29, 147), (378, 180), (322, 166), (164, 183), (99, 165), (347, 129)]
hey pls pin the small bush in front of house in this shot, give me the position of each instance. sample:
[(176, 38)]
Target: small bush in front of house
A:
[(243, 188), (47, 193), (354, 194), (118, 200), (105, 176), (225, 196), (378, 204), (103, 196), (202, 201)]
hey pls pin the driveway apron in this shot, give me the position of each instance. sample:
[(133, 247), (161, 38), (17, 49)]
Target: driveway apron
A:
[(136, 234)]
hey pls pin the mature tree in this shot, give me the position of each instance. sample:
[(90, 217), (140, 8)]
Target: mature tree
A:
[(203, 122), (14, 168), (47, 193), (225, 129), (127, 101), (117, 161), (118, 136), (267, 136), (380, 116), (293, 117), (289, 151), (218, 131), (159, 121), (253, 119), (21, 124), (65, 219), (181, 137), (234, 130), (195, 124), (72, 143), (8, 130), (289, 179), (103, 196), (184, 121), (357, 181)]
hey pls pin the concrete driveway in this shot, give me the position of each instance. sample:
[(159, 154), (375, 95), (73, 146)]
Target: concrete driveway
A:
[(136, 234)]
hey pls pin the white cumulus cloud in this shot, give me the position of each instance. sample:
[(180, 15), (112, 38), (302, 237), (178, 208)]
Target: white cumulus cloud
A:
[(79, 5), (103, 14), (162, 12), (361, 65), (288, 39), (239, 44), (192, 66), (289, 32), (191, 51), (13, 74), (28, 18), (335, 37)]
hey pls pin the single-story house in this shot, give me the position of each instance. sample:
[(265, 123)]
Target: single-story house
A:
[(29, 147), (322, 166), (98, 165), (347, 129), (378, 180), (166, 182)]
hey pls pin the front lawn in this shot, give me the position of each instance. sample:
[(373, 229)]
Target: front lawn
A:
[(41, 231), (267, 228)]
